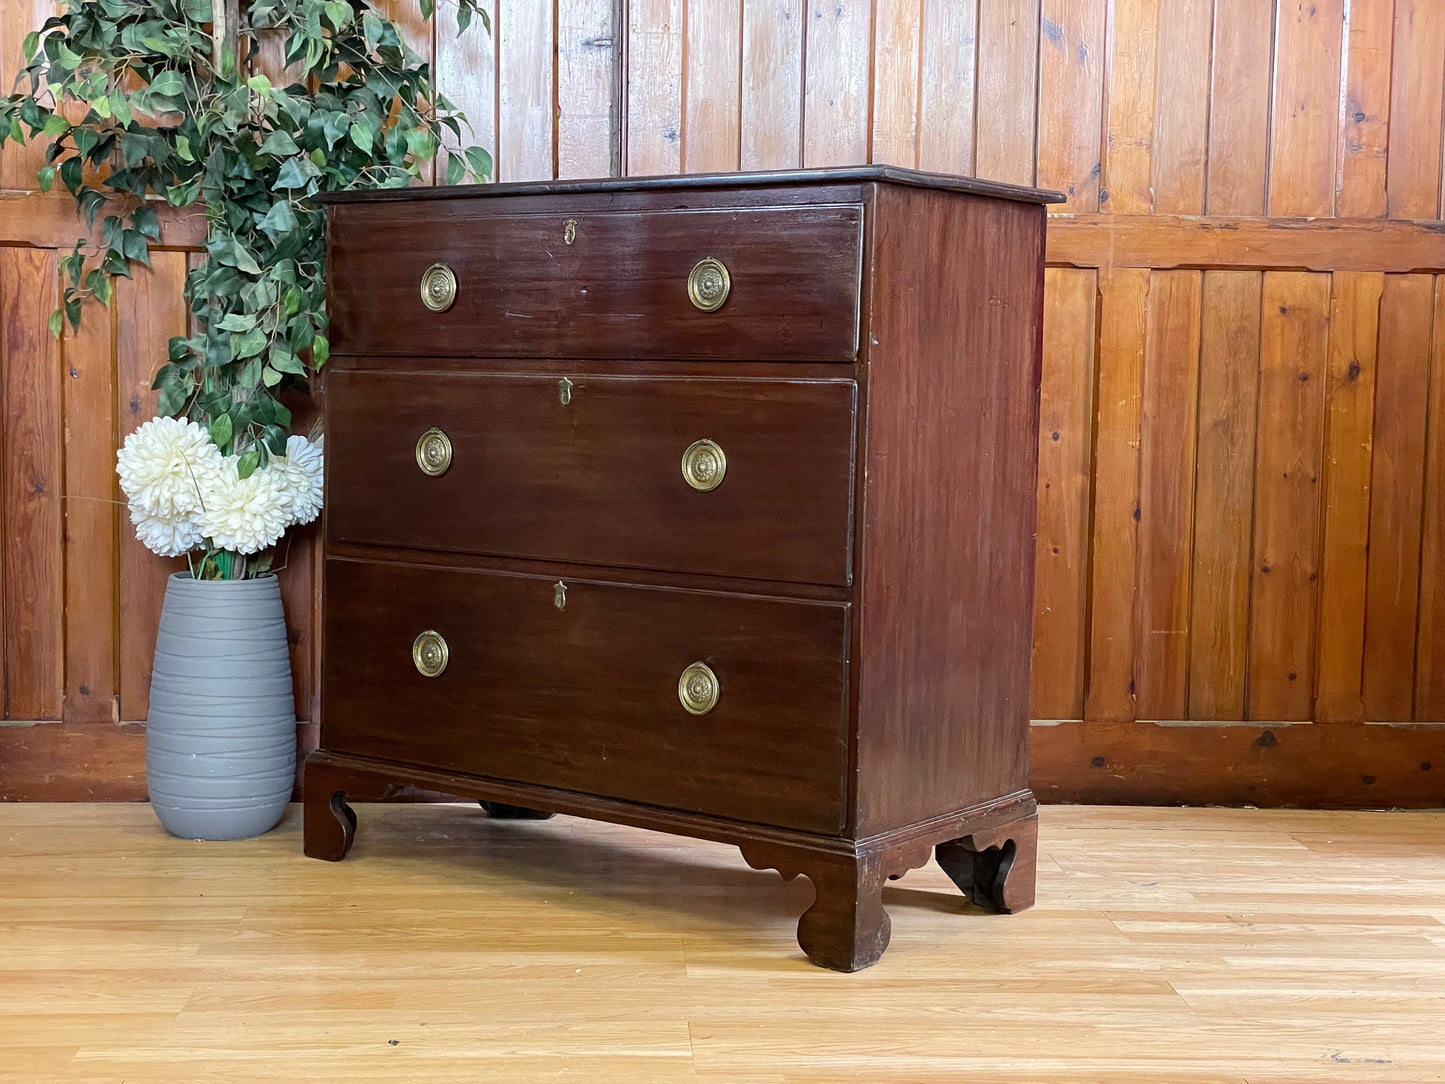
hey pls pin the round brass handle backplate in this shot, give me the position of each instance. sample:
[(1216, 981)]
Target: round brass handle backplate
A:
[(429, 653), (438, 287), (698, 688), (704, 465), (708, 284), (433, 452)]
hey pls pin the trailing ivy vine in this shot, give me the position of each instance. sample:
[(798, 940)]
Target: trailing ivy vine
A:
[(136, 112)]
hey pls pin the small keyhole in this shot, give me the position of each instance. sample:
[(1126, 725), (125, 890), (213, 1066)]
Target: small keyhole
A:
[(559, 595), (569, 230), (564, 391)]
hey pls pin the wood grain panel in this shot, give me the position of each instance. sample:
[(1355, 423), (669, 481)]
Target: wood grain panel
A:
[(1168, 413), (1115, 527), (712, 92), (525, 39), (653, 122), (772, 84), (91, 520), (1131, 56), (1349, 428), (588, 46), (897, 60), (149, 309), (1071, 99), (466, 73), (1366, 115), (1224, 493), (1293, 340), (1416, 104), (1061, 562), (948, 86), (1397, 481), (836, 91), (419, 35), (17, 18), (1181, 115), (1304, 121), (31, 480), (1008, 86), (1430, 642), (1239, 96)]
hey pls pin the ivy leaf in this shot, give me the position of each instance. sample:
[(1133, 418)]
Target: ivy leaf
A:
[(249, 461), (249, 344), (480, 161), (221, 430), (320, 351), (45, 177), (54, 125), (168, 84), (30, 44), (57, 323), (295, 172), (279, 220), (361, 136), (236, 321), (270, 377), (280, 144)]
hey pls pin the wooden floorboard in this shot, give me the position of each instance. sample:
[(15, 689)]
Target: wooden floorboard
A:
[(1196, 945)]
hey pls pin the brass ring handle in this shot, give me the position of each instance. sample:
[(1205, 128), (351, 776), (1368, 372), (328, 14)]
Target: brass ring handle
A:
[(703, 465), (433, 452), (438, 287), (698, 689), (429, 653), (708, 284)]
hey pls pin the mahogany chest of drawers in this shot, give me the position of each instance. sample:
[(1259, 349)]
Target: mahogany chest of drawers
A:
[(703, 504)]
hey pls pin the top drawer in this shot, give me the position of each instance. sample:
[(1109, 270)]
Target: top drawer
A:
[(602, 284)]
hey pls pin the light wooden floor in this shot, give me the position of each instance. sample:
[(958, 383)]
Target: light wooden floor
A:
[(1167, 945)]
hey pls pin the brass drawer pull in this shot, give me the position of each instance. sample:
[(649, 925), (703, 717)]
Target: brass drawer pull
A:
[(708, 284), (433, 452), (704, 465), (698, 688), (429, 653), (438, 287)]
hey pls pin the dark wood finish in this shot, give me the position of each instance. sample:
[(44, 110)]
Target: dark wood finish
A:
[(860, 582), (619, 290), (585, 697), (532, 476), (947, 544)]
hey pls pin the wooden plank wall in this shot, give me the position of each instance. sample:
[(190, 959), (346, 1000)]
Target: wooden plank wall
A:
[(1241, 548)]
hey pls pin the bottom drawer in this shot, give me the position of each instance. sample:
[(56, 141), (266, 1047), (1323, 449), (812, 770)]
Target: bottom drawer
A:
[(575, 684)]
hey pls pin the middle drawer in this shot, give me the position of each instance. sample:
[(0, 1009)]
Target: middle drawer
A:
[(736, 477)]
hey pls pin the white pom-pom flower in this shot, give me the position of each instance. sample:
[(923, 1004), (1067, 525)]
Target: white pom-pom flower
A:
[(167, 537), (297, 477), (246, 515), (164, 467)]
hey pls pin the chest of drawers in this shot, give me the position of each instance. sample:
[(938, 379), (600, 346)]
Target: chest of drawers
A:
[(701, 504)]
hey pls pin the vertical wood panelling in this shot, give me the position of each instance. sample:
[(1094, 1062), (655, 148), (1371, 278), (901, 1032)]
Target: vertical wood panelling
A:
[(836, 90), (772, 90), (1071, 99), (1066, 414), (466, 73), (524, 36), (1349, 425), (1239, 96), (948, 86), (654, 87), (1120, 363), (1417, 99), (712, 94), (149, 311), (1293, 339), (417, 33), (30, 480), (1397, 481), (17, 18), (1304, 132), (1008, 86), (898, 26), (1364, 138), (1224, 493), (588, 46), (1181, 118), (90, 518), (1169, 401), (1430, 644), (1127, 169)]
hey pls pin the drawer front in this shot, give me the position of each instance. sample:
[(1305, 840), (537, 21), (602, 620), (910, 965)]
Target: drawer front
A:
[(590, 470), (620, 289), (577, 687)]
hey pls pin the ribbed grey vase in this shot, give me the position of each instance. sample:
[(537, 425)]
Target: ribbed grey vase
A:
[(221, 735)]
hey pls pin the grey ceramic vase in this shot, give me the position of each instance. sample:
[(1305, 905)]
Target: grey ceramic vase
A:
[(221, 736)]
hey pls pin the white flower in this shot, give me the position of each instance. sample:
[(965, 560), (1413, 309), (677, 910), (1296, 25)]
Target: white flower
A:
[(246, 515), (297, 477), (166, 466), (167, 537), (162, 467)]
